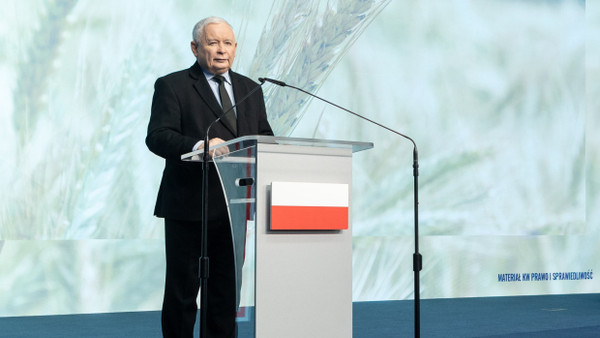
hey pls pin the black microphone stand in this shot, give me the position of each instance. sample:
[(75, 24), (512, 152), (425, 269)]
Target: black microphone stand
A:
[(204, 263), (417, 258)]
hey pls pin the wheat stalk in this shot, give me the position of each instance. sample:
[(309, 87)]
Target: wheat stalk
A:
[(36, 66), (301, 45)]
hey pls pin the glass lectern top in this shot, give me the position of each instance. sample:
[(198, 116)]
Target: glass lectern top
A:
[(252, 140)]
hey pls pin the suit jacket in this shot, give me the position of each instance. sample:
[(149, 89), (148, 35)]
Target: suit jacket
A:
[(183, 107)]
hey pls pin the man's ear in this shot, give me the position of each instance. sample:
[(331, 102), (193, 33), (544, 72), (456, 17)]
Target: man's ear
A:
[(194, 47)]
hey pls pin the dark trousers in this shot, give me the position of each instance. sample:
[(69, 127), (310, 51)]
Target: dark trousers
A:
[(182, 247)]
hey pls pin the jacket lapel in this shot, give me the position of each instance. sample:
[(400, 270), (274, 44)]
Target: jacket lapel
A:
[(239, 91)]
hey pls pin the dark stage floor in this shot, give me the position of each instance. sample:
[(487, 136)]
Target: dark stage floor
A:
[(525, 316)]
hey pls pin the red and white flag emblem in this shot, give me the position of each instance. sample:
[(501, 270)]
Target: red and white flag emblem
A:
[(309, 206)]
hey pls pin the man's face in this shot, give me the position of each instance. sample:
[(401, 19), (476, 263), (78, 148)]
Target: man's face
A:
[(216, 52)]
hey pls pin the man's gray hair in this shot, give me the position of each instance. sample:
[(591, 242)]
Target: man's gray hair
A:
[(198, 31)]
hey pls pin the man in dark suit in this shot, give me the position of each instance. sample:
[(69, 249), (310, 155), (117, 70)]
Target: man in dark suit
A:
[(183, 106)]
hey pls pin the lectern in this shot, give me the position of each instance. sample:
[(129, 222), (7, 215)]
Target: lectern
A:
[(289, 202)]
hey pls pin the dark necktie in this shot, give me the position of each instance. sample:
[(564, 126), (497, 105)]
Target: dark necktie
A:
[(226, 103)]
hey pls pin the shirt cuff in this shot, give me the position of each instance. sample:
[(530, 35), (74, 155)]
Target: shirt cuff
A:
[(198, 145)]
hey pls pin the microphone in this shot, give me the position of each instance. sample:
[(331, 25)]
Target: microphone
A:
[(417, 257), (204, 262), (277, 82), (206, 137)]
